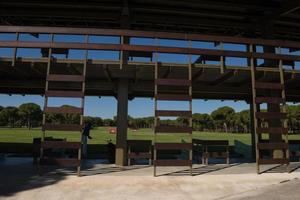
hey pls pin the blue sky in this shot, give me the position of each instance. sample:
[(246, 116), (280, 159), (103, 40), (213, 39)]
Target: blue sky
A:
[(107, 106)]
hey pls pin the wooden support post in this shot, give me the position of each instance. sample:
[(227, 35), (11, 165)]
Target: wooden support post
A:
[(155, 108), (124, 55), (45, 103), (82, 101), (203, 154), (227, 155), (222, 59), (14, 58), (121, 140), (252, 65), (252, 130), (190, 107), (286, 154), (129, 151)]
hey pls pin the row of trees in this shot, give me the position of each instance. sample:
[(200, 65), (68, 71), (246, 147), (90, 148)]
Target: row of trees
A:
[(30, 115), (223, 119)]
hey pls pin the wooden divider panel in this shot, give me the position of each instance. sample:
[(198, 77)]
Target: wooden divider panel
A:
[(65, 78), (271, 98)]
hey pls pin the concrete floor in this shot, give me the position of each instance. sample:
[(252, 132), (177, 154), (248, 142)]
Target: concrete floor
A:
[(19, 180)]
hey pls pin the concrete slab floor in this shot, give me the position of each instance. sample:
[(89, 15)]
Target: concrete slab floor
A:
[(19, 180)]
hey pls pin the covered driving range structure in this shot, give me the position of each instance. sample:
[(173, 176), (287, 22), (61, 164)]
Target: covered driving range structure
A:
[(228, 51)]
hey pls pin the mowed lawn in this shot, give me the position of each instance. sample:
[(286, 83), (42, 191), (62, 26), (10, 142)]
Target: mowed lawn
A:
[(20, 139), (101, 135)]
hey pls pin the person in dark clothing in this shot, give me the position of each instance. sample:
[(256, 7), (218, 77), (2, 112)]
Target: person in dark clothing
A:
[(85, 136)]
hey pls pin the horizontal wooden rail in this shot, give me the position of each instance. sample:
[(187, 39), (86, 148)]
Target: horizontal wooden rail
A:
[(173, 82), (215, 142), (139, 143), (146, 48), (65, 78), (172, 162), (173, 97), (271, 115), (173, 129), (197, 142), (62, 127), (215, 154), (272, 146), (271, 86), (173, 146), (60, 145), (148, 34), (58, 93), (64, 162), (173, 113), (139, 155), (271, 100), (63, 110), (272, 130), (294, 142), (273, 161)]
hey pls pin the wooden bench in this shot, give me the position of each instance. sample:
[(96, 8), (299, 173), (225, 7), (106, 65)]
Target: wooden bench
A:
[(205, 146), (36, 149), (294, 154), (139, 149), (60, 145)]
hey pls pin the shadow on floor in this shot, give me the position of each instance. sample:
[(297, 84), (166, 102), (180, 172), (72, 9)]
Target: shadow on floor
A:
[(282, 168), (18, 174), (200, 170), (19, 177), (107, 170)]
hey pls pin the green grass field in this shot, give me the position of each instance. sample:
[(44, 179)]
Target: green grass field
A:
[(101, 136), (18, 139)]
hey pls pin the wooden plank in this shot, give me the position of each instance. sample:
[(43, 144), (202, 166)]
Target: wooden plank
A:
[(139, 143), (271, 86), (65, 78), (172, 162), (272, 146), (64, 162), (294, 153), (215, 142), (151, 34), (197, 142), (273, 161), (139, 155), (294, 142), (173, 97), (59, 93), (223, 78), (173, 146), (62, 127), (69, 110), (60, 145), (173, 82), (271, 115), (173, 129), (173, 113), (271, 100), (272, 130), (146, 48), (215, 154)]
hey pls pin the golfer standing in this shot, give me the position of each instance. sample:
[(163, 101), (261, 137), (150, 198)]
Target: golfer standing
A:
[(85, 136)]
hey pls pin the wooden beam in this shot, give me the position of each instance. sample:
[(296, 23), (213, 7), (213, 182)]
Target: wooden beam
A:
[(223, 77), (197, 75), (107, 73)]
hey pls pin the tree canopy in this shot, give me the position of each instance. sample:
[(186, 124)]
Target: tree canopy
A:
[(223, 119)]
